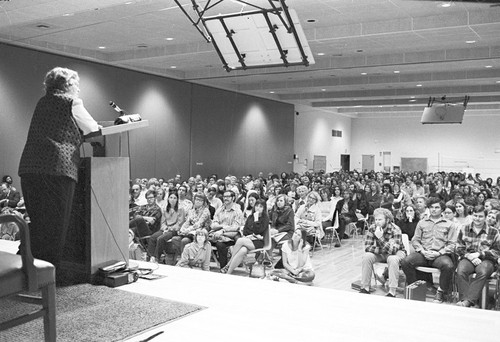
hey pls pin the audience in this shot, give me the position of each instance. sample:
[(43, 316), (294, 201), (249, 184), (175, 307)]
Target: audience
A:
[(294, 206)]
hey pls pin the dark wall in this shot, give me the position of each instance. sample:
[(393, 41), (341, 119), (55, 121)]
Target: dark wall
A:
[(193, 129)]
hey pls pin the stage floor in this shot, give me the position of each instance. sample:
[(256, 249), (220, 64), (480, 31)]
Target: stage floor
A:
[(245, 309)]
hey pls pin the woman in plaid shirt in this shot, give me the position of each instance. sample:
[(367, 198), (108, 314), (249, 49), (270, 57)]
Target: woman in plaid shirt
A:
[(383, 243)]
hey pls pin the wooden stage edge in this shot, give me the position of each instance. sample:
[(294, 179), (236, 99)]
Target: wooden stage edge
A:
[(245, 309)]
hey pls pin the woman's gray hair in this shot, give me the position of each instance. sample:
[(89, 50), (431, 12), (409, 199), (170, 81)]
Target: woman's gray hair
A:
[(61, 81)]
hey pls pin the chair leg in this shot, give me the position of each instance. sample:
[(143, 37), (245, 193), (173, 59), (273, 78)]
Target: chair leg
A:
[(49, 318)]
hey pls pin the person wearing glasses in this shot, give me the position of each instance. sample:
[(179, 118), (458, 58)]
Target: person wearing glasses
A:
[(434, 244), (226, 224), (146, 219)]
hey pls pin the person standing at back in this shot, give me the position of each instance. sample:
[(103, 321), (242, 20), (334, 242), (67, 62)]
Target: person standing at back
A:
[(49, 163)]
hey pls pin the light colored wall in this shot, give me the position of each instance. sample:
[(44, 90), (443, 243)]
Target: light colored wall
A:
[(450, 147), (313, 136)]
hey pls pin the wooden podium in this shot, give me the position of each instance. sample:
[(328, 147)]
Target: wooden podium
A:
[(98, 231)]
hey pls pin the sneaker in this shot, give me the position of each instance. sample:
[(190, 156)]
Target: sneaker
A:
[(364, 291), (465, 303), (380, 278), (440, 297), (390, 295), (224, 269)]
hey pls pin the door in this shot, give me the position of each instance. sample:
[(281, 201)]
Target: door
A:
[(368, 162), (345, 162)]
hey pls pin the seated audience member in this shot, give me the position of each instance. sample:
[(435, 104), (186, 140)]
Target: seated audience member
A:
[(184, 202), (397, 203), (302, 192), (434, 244), (450, 213), (256, 225), (382, 244), (221, 188), (456, 196), (327, 207), (492, 203), (9, 197), (197, 253), (308, 217), (214, 201), (374, 197), (226, 225), (296, 261), (172, 219), (387, 197), (408, 221), (419, 190), (421, 206), (197, 218), (252, 198), (160, 198), (462, 217), (492, 218), (478, 248), (134, 249), (282, 220), (345, 213), (146, 218), (136, 199)]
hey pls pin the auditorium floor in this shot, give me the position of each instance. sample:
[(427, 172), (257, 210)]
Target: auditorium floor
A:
[(245, 309)]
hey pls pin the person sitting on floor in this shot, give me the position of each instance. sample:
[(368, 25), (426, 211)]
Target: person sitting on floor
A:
[(198, 252), (256, 225), (296, 261), (383, 243), (434, 243), (478, 247)]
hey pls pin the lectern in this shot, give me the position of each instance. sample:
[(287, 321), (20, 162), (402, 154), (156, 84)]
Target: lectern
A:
[(98, 231)]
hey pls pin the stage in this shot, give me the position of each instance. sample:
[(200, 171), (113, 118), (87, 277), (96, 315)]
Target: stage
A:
[(246, 309)]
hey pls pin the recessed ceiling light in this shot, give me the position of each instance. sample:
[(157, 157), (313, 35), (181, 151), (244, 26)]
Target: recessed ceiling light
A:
[(412, 97), (169, 38), (363, 73), (413, 100), (488, 66), (128, 2), (396, 71), (497, 82), (418, 85), (323, 89), (445, 4), (321, 53), (173, 67), (271, 92), (470, 41), (68, 14), (102, 47)]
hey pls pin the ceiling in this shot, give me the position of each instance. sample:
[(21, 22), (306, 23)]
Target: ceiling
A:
[(373, 58)]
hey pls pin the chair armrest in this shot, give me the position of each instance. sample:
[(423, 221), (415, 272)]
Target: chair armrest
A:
[(24, 249)]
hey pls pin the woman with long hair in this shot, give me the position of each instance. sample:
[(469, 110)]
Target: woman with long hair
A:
[(198, 252), (252, 198), (296, 261), (172, 219), (409, 220), (256, 225), (462, 213), (282, 219)]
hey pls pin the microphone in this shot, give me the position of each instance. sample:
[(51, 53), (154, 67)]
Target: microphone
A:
[(116, 108)]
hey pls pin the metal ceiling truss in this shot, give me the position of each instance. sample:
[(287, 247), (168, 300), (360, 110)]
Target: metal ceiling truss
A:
[(277, 8)]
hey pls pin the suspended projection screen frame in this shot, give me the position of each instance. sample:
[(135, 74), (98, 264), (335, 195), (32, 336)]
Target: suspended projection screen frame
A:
[(260, 38)]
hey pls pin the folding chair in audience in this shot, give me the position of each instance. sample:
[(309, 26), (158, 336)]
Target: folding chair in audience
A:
[(266, 250)]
